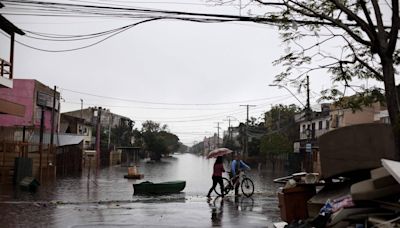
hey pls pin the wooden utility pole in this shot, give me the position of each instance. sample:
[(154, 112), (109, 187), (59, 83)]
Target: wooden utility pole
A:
[(98, 129), (81, 108), (247, 133), (218, 133), (41, 142), (229, 127), (52, 118)]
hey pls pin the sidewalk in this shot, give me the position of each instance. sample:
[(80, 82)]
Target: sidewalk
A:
[(166, 211)]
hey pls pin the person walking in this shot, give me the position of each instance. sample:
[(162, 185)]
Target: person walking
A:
[(217, 176), (236, 166)]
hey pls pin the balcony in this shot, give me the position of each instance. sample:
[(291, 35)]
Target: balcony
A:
[(5, 74)]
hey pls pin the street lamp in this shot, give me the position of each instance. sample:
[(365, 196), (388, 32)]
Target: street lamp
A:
[(307, 110), (282, 86)]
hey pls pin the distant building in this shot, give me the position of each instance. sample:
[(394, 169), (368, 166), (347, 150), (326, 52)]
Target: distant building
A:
[(78, 126), (346, 117), (332, 117), (211, 143), (108, 119)]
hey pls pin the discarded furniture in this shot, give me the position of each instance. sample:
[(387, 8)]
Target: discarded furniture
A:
[(355, 147), (293, 202), (29, 184), (381, 184), (148, 187)]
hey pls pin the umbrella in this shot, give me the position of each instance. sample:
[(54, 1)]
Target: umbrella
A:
[(218, 152)]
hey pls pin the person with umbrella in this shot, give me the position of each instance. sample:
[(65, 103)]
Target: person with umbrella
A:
[(218, 169)]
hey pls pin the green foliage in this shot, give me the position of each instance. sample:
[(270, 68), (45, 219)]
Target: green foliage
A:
[(357, 57), (171, 141), (273, 145), (122, 135), (157, 140), (280, 118), (357, 101)]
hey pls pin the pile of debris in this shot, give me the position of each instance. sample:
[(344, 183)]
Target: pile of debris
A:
[(372, 202), (358, 186)]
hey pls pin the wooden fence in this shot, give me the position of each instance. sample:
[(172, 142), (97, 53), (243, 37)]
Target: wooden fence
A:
[(43, 160)]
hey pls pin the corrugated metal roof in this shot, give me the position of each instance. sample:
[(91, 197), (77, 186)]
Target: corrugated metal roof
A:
[(59, 140), (64, 140)]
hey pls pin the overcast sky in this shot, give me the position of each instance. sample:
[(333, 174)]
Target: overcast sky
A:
[(184, 74)]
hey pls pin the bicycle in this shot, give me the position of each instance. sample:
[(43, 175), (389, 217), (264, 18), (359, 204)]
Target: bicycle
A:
[(246, 185)]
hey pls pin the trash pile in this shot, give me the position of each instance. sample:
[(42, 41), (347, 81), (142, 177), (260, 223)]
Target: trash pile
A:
[(367, 198)]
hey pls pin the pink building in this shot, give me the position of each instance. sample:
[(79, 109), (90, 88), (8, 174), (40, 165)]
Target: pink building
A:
[(34, 96)]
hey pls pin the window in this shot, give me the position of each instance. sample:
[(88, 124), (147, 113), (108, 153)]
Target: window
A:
[(327, 125), (320, 125)]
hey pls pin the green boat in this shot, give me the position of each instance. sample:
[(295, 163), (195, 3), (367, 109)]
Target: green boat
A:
[(148, 187)]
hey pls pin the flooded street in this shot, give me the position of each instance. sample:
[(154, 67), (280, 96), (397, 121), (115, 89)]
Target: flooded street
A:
[(107, 200)]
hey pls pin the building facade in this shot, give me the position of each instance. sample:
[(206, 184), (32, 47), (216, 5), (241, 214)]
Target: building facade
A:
[(332, 117), (77, 126), (37, 100)]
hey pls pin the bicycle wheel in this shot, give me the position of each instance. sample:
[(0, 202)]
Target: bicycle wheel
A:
[(227, 187), (247, 187)]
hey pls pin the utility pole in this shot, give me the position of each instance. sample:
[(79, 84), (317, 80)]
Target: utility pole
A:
[(229, 126), (247, 133), (81, 108), (308, 99), (110, 121), (98, 129), (52, 118), (218, 133), (42, 126)]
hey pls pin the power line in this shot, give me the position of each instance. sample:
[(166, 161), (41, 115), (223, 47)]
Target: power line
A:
[(90, 45), (165, 103)]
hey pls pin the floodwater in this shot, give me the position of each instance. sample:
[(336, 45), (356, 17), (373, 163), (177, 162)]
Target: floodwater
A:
[(105, 199)]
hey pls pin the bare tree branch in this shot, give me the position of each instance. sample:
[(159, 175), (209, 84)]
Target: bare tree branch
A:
[(381, 30), (363, 25), (395, 26), (339, 23)]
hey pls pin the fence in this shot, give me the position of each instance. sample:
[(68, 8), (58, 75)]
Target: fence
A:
[(42, 156), (69, 160)]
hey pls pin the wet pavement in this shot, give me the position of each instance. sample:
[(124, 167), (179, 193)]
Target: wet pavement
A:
[(107, 200)]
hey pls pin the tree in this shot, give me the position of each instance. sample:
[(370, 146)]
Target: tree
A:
[(273, 145), (282, 131), (121, 135), (280, 118), (367, 40), (157, 140), (171, 141)]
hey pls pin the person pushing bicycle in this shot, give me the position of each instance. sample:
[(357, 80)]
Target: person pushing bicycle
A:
[(237, 166)]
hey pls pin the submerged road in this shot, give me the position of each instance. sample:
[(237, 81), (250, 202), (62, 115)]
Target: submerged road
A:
[(107, 200)]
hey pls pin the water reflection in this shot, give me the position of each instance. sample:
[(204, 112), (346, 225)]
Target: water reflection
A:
[(217, 208), (108, 198), (109, 183)]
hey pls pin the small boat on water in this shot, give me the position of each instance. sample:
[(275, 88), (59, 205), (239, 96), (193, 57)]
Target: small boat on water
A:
[(148, 187)]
